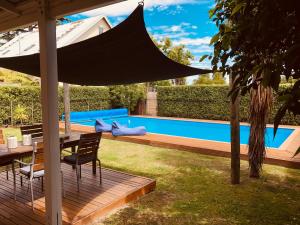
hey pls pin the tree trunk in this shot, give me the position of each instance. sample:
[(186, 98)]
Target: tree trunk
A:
[(254, 172), (260, 103), (235, 139), (67, 108)]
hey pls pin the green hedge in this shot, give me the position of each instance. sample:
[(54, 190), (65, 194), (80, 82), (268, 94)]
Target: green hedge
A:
[(86, 99), (23, 103), (206, 102)]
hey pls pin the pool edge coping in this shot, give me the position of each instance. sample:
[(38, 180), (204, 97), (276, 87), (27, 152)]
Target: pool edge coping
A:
[(284, 145), (282, 156)]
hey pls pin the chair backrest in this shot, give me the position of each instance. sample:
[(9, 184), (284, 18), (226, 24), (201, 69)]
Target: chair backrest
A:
[(88, 146), (36, 130), (38, 156)]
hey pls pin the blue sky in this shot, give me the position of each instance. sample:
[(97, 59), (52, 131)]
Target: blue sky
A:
[(184, 21)]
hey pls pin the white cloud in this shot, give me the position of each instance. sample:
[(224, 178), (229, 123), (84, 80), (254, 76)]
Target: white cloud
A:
[(175, 32), (193, 41), (202, 49), (173, 28), (172, 36), (118, 20), (126, 7), (178, 9), (162, 7), (206, 64)]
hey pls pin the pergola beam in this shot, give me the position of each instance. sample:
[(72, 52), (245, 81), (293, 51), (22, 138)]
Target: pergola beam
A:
[(57, 8), (9, 7)]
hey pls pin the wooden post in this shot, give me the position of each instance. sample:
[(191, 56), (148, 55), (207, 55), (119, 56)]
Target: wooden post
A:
[(235, 138), (67, 108), (32, 112), (49, 83), (11, 113)]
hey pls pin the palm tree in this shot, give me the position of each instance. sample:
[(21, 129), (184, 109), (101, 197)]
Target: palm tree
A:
[(261, 99)]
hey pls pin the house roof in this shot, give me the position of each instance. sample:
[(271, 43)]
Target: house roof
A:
[(18, 13), (28, 43)]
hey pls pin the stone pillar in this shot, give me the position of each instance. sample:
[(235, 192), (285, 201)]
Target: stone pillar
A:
[(151, 104)]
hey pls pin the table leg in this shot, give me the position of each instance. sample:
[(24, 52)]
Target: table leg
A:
[(14, 177)]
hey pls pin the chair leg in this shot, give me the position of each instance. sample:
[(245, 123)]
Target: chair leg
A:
[(32, 197), (28, 186), (15, 185), (62, 183), (21, 179), (7, 173), (100, 171), (42, 183), (80, 171), (77, 177)]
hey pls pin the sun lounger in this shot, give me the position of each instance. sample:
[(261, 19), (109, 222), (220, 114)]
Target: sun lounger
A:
[(119, 130), (101, 126)]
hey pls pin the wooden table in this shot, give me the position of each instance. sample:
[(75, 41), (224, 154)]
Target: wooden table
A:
[(8, 155)]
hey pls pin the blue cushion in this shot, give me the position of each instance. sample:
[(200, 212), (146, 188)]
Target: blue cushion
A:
[(119, 130), (101, 126), (117, 125)]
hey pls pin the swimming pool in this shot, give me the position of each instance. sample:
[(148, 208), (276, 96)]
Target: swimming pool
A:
[(193, 129)]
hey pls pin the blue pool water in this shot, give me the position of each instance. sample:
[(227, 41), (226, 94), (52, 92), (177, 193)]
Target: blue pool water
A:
[(191, 129)]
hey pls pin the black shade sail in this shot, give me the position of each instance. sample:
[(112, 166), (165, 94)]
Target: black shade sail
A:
[(123, 55)]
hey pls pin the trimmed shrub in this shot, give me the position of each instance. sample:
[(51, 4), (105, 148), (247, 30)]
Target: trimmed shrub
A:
[(22, 104), (86, 98), (206, 102), (12, 99)]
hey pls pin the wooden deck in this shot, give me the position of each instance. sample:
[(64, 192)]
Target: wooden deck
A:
[(284, 156), (84, 207)]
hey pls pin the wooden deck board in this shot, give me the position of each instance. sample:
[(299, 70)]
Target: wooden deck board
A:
[(93, 200)]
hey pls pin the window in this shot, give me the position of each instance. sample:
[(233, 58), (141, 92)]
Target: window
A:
[(100, 30)]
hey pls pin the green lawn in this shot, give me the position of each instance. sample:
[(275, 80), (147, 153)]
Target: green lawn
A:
[(195, 189)]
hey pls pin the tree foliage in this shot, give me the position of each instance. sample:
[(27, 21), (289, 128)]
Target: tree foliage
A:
[(160, 83), (205, 79), (12, 77), (177, 53), (257, 42), (126, 96)]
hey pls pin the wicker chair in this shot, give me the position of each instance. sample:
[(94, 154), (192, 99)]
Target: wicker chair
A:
[(87, 152)]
